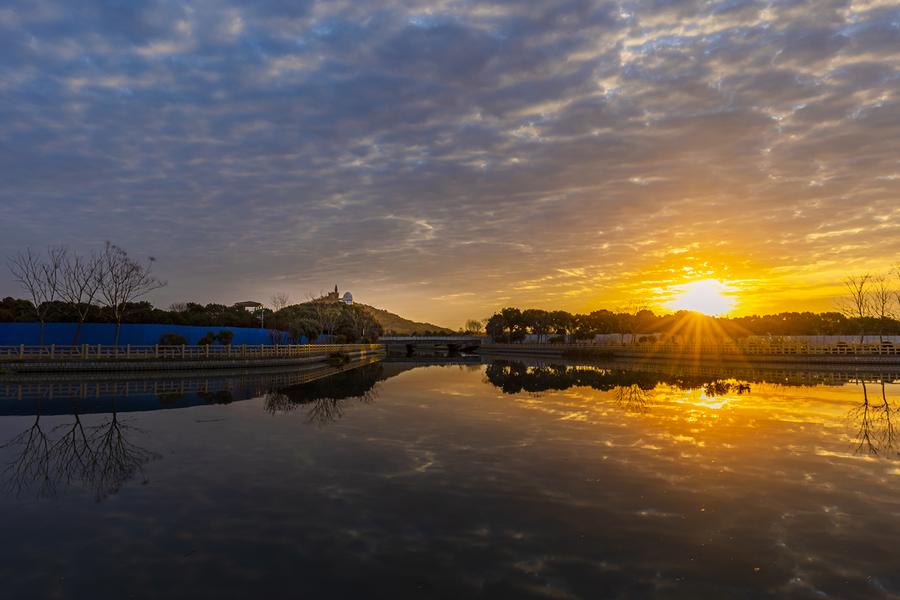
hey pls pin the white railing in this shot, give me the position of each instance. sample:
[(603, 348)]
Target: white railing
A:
[(722, 347)]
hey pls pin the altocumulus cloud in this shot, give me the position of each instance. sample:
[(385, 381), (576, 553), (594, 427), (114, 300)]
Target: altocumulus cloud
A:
[(497, 152)]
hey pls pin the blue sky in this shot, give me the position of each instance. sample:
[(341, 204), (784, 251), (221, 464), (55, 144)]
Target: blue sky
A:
[(445, 159)]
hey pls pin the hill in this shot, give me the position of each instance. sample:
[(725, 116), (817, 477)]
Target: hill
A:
[(388, 320), (401, 326)]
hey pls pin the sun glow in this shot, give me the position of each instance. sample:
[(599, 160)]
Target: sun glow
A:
[(709, 296)]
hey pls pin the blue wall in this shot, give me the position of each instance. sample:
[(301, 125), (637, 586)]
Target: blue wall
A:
[(62, 334)]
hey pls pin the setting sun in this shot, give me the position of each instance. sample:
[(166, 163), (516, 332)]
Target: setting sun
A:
[(710, 297)]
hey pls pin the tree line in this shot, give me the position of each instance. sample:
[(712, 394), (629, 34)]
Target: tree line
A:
[(346, 324), (511, 325), (104, 286)]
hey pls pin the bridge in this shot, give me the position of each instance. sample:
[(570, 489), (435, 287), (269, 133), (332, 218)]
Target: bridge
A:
[(453, 343)]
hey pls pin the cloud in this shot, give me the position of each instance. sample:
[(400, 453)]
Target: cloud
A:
[(301, 144)]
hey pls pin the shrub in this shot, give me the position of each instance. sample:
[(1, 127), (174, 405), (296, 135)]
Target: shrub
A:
[(172, 339), (224, 337)]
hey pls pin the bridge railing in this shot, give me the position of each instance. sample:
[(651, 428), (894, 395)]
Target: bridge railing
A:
[(134, 352)]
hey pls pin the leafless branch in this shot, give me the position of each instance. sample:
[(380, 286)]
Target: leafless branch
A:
[(280, 300), (41, 279), (123, 280)]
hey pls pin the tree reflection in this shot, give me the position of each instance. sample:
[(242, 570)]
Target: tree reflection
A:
[(114, 459), (633, 398), (100, 457), (32, 466), (874, 420), (72, 451), (170, 398), (632, 390), (326, 411), (326, 399), (515, 377), (718, 387), (220, 397)]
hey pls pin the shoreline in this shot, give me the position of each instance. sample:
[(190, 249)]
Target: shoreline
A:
[(706, 359)]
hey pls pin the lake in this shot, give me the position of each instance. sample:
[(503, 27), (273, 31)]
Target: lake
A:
[(453, 479)]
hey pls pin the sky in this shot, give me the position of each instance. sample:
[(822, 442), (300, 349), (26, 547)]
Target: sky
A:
[(443, 160)]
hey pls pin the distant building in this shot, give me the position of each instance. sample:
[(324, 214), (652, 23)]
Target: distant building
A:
[(250, 305), (347, 298), (253, 306)]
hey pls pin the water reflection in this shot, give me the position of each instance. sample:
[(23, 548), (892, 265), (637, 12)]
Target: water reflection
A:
[(160, 391), (578, 483), (325, 400), (633, 398), (875, 424), (514, 377), (103, 457), (100, 457), (872, 423)]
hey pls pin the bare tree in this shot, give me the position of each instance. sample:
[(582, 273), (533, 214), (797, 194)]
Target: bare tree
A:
[(280, 300), (475, 326), (329, 318), (122, 280), (178, 307), (327, 313), (857, 304), (79, 285), (364, 322), (41, 279), (882, 298)]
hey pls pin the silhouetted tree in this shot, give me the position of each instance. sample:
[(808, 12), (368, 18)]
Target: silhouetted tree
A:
[(40, 278), (856, 304), (79, 284), (280, 300), (122, 280)]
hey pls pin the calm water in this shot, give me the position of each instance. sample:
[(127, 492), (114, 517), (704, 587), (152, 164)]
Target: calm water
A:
[(504, 480)]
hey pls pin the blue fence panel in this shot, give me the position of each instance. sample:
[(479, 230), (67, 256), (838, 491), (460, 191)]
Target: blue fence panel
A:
[(62, 334)]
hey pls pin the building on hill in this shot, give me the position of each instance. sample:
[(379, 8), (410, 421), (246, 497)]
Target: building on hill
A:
[(334, 297)]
